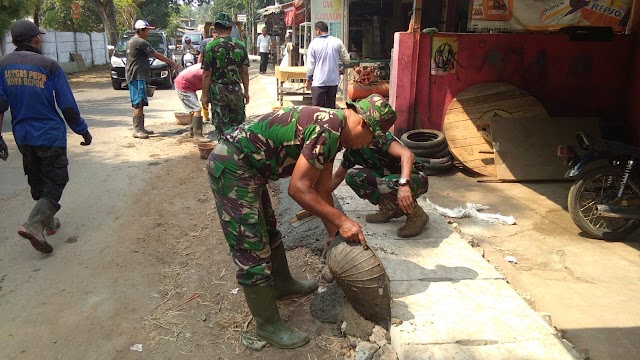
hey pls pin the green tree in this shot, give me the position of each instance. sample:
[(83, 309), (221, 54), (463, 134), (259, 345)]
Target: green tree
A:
[(11, 10), (56, 15), (106, 9), (127, 12)]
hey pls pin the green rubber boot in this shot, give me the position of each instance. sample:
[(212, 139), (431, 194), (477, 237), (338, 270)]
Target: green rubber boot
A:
[(33, 228), (285, 285), (269, 325)]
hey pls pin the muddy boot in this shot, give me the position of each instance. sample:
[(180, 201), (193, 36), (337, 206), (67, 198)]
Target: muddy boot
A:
[(137, 128), (384, 214), (148, 132), (33, 229), (53, 226), (197, 130), (416, 221), (269, 325), (191, 133), (285, 285)]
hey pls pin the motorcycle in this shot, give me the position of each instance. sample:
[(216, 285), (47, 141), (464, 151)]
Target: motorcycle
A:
[(604, 201), (188, 59)]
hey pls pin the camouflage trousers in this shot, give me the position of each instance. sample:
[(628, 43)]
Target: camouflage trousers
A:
[(374, 186), (246, 214), (227, 107)]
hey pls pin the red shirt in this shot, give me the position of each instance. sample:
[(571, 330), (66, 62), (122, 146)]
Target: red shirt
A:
[(190, 79)]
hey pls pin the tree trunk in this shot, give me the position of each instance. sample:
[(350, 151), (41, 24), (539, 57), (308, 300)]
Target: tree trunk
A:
[(36, 13), (107, 11)]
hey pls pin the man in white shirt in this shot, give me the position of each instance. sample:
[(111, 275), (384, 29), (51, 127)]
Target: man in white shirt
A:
[(264, 48), (323, 73)]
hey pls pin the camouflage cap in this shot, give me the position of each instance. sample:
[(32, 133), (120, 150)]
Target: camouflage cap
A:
[(224, 19), (377, 112)]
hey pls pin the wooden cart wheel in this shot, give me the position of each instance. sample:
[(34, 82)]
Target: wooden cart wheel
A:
[(468, 117)]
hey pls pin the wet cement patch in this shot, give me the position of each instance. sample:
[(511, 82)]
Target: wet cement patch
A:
[(330, 306)]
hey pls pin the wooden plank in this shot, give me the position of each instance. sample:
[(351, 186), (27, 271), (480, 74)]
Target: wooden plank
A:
[(526, 148), (484, 89), (461, 143), (475, 105), (526, 105), (488, 98), (475, 151)]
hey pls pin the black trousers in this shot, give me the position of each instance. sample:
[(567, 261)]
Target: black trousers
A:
[(264, 61), (324, 96), (46, 170)]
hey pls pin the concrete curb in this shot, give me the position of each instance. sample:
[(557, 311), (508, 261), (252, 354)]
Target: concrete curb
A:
[(448, 301)]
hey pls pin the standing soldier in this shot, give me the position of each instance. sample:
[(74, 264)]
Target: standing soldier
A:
[(297, 142), (226, 72), (389, 178), (31, 85)]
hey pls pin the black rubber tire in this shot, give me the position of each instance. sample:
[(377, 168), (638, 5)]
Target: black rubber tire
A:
[(423, 139), (444, 153), (440, 171), (620, 228), (438, 152), (427, 164), (437, 161), (116, 84)]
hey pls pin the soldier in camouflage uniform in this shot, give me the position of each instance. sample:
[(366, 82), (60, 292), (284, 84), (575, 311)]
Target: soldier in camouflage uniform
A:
[(226, 72), (389, 178), (297, 142)]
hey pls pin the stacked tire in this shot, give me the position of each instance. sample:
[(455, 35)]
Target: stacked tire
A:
[(430, 148)]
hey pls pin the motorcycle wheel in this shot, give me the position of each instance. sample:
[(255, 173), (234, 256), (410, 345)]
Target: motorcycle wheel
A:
[(600, 186)]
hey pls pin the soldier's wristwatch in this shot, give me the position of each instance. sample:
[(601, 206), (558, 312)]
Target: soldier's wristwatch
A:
[(403, 182)]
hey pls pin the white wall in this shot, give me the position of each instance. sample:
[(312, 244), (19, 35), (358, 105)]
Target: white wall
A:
[(60, 45)]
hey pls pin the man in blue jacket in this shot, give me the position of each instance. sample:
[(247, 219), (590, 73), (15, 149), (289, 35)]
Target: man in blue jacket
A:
[(31, 85)]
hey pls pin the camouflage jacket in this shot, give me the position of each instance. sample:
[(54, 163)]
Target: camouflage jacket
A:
[(224, 57), (375, 157), (274, 141)]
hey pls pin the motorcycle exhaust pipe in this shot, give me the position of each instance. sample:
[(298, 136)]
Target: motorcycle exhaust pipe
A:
[(618, 212)]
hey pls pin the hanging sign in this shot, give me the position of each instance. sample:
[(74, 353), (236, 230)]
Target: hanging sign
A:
[(545, 15), (331, 12)]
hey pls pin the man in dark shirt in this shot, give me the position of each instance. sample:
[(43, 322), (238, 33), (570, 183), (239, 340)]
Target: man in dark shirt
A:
[(31, 85), (138, 74)]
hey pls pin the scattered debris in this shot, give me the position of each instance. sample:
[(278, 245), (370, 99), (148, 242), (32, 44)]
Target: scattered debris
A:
[(136, 347), (366, 350), (250, 340), (379, 336), (190, 298), (511, 259), (321, 289), (235, 291), (473, 211)]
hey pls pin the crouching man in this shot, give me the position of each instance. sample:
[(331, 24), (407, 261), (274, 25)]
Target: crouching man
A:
[(187, 83), (389, 178)]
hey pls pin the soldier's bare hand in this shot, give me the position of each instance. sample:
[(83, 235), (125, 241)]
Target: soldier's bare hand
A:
[(246, 97), (352, 232), (405, 199), (204, 100)]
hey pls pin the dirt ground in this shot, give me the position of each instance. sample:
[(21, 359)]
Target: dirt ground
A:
[(199, 310), (140, 257)]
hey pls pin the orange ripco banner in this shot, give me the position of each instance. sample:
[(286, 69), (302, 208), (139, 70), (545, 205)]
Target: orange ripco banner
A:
[(545, 15)]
